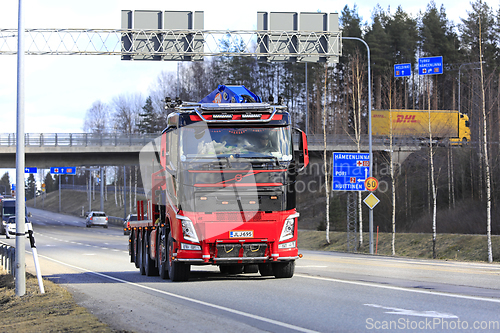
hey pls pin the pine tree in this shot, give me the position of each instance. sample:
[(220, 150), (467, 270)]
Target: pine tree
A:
[(30, 187), (5, 184), (148, 119)]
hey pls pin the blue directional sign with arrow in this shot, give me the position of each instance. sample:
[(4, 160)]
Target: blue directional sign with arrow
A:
[(30, 170), (401, 70), (63, 170), (350, 170), (430, 65)]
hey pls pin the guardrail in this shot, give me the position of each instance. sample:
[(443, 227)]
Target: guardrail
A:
[(78, 139), (8, 258)]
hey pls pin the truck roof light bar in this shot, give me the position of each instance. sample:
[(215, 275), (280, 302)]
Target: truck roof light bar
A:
[(222, 116), (227, 118)]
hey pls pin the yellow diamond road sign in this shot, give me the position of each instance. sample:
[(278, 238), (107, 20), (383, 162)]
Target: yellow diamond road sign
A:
[(371, 200)]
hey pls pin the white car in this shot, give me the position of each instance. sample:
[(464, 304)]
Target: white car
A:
[(10, 229), (96, 218)]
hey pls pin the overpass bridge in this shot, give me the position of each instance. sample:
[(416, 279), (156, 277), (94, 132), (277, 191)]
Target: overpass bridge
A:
[(45, 150)]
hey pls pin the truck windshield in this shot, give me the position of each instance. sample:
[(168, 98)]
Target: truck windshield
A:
[(253, 142), (9, 211)]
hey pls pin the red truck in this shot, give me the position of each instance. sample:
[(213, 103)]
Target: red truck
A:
[(222, 189)]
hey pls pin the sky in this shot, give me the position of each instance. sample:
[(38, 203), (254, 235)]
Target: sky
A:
[(59, 89)]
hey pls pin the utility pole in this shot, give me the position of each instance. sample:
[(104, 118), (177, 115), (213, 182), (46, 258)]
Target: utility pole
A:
[(20, 269)]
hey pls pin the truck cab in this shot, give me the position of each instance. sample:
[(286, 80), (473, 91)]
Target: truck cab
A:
[(224, 189)]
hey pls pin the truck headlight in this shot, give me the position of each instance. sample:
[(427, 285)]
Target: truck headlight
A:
[(188, 231), (288, 227)]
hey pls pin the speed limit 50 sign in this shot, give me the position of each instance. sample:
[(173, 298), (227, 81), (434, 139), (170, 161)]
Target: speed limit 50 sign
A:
[(371, 184)]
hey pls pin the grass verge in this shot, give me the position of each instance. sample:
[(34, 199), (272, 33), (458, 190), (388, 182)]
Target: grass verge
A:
[(412, 245), (54, 311)]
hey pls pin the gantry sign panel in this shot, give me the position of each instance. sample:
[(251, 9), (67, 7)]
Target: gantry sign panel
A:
[(280, 36), (303, 37), (157, 41)]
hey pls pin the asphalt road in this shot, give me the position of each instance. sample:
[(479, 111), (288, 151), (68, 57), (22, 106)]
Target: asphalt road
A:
[(330, 292)]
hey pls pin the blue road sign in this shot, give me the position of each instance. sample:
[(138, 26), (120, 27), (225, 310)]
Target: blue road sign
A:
[(30, 170), (13, 187), (350, 171), (402, 70), (430, 65), (63, 170)]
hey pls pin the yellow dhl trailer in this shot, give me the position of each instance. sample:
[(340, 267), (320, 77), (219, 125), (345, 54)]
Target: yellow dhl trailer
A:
[(445, 124)]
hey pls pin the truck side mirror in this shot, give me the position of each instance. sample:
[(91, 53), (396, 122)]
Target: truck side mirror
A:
[(303, 155)]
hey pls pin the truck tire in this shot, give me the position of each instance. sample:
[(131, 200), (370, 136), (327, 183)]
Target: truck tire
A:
[(133, 248), (177, 271), (162, 254), (266, 269), (140, 254), (149, 264), (284, 269)]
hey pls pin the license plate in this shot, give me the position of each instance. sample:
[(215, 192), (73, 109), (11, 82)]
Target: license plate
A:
[(241, 234)]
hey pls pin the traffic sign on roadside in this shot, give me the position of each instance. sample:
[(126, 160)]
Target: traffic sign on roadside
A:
[(63, 170), (401, 70), (430, 65), (371, 183), (350, 170), (371, 200), (30, 170)]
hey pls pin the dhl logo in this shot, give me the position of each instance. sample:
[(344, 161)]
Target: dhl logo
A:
[(405, 119)]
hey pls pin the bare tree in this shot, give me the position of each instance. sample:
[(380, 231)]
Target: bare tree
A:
[(127, 108), (97, 118), (486, 158)]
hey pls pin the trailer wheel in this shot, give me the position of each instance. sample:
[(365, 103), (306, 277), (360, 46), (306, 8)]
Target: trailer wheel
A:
[(266, 269), (177, 271), (131, 248), (162, 254), (135, 254), (284, 269), (149, 264), (140, 254)]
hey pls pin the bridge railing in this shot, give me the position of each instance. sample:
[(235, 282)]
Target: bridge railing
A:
[(78, 139), (120, 139)]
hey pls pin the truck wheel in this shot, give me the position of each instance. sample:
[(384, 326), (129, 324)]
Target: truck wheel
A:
[(133, 248), (284, 269), (140, 254), (162, 254), (266, 269), (149, 264), (177, 271)]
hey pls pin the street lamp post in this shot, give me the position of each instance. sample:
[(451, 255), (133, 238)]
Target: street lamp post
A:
[(370, 226)]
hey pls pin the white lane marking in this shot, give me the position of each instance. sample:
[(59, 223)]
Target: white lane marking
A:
[(88, 254), (310, 266), (418, 291), (241, 313), (405, 312)]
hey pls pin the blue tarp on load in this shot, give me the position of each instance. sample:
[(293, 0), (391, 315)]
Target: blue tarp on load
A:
[(231, 94)]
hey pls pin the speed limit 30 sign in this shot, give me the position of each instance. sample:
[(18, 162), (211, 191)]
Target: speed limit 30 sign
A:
[(371, 184)]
